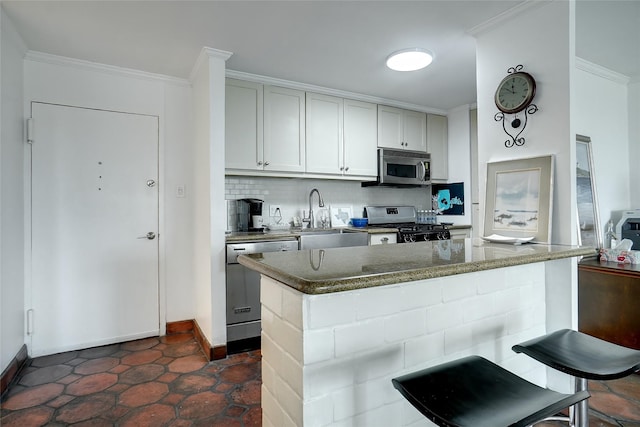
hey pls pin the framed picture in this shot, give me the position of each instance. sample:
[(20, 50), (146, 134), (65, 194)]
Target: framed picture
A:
[(340, 216), (519, 198), (448, 199), (588, 215)]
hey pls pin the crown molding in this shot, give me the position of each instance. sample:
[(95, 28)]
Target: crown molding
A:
[(208, 53), (240, 75), (506, 15), (81, 64), (601, 71)]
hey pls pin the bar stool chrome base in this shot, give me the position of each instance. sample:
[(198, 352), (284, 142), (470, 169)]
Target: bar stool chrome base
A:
[(474, 392), (585, 358)]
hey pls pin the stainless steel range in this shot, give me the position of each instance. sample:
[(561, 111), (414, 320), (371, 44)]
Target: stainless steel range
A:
[(404, 219)]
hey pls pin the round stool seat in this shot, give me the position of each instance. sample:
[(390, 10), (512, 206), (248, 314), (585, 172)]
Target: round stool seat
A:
[(581, 355), (475, 392)]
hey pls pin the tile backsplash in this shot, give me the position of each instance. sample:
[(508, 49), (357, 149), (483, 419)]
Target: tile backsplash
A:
[(292, 195)]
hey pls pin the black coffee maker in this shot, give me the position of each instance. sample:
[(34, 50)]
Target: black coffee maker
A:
[(248, 209)]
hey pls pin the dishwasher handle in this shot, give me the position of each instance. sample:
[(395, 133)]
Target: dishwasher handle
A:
[(236, 249)]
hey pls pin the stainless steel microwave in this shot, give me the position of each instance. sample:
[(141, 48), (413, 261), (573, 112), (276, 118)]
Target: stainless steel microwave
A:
[(403, 168)]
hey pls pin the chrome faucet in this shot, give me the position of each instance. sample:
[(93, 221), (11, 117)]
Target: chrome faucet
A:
[(320, 204)]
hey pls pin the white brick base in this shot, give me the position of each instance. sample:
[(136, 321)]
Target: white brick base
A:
[(328, 360)]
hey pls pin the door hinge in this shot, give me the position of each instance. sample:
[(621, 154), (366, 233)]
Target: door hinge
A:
[(30, 321), (30, 131)]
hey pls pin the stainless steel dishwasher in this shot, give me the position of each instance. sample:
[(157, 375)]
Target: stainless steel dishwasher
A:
[(243, 293)]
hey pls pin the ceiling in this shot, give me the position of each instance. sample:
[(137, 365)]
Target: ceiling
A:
[(335, 44)]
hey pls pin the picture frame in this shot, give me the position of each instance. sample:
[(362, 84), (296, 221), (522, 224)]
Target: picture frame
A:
[(341, 216), (588, 215), (519, 198)]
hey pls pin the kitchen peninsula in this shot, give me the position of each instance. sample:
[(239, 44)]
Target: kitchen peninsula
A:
[(338, 324)]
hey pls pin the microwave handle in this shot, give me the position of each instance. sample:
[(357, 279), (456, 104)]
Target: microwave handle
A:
[(423, 171)]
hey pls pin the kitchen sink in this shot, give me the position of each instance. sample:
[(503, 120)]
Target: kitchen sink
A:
[(320, 238)]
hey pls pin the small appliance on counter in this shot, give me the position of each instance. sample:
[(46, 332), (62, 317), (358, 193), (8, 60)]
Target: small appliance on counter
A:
[(628, 226), (244, 215), (404, 219)]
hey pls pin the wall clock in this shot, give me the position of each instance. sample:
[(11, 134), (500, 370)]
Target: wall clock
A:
[(514, 95)]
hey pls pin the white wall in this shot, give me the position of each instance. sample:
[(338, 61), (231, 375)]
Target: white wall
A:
[(599, 96), (79, 83), (202, 185), (542, 40), (208, 79), (548, 55), (634, 142), (12, 149)]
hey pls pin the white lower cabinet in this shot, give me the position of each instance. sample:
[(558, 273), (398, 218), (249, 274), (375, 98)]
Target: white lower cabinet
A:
[(460, 233), (382, 239), (341, 137)]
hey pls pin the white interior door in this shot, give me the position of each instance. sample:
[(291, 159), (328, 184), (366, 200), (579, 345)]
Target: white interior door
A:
[(94, 199)]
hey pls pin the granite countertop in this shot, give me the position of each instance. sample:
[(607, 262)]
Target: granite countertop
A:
[(294, 233), (321, 271)]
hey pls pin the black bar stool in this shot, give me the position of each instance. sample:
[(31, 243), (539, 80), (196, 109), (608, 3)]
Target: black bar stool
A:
[(585, 358), (474, 392)]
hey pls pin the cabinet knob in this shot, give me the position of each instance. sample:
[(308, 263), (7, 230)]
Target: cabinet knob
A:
[(341, 168), (266, 163), (346, 169), (259, 162)]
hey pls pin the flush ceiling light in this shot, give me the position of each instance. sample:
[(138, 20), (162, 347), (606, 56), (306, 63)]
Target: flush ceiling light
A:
[(409, 59)]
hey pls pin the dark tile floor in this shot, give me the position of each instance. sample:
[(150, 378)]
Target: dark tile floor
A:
[(164, 381), (612, 404), (167, 381)]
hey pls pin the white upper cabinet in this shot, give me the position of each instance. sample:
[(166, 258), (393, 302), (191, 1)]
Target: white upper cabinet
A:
[(438, 146), (360, 138), (415, 130), (243, 125), (402, 129), (284, 129), (324, 134), (390, 127), (341, 136)]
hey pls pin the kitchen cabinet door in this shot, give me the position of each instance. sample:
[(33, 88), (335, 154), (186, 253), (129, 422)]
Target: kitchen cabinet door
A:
[(390, 127), (324, 123), (415, 130), (437, 146), (460, 233), (402, 129), (243, 125), (284, 129), (360, 139), (383, 239)]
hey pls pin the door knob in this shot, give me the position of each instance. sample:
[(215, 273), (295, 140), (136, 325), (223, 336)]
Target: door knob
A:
[(150, 235)]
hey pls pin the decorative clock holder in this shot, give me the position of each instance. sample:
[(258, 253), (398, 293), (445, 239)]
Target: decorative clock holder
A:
[(513, 98)]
